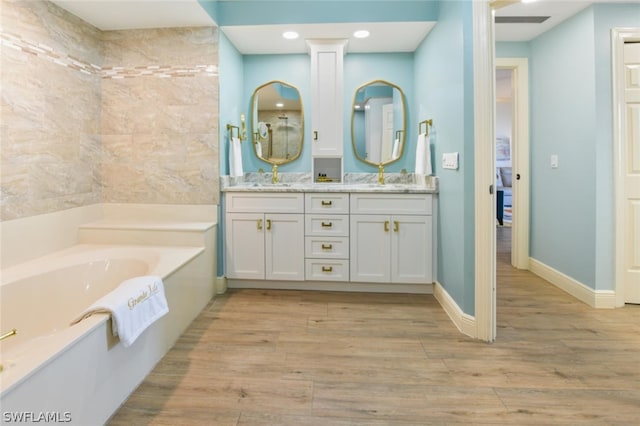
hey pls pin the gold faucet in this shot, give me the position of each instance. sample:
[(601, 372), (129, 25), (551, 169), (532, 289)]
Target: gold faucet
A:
[(381, 174), (274, 177)]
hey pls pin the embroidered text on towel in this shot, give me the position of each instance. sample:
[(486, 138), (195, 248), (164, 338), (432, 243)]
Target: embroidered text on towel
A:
[(144, 295)]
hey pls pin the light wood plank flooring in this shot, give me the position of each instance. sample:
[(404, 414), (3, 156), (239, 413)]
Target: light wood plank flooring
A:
[(257, 357)]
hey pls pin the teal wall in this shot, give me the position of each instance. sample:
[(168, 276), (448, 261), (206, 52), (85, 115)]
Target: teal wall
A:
[(443, 92), (572, 214)]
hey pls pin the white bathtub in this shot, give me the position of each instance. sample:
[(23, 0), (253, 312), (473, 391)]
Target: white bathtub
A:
[(81, 372)]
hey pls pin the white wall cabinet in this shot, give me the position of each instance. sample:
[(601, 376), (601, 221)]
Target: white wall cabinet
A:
[(261, 242), (391, 248)]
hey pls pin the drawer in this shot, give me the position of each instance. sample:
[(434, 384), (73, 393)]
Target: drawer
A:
[(326, 247), (326, 225), (420, 204), (326, 270), (264, 202), (332, 203)]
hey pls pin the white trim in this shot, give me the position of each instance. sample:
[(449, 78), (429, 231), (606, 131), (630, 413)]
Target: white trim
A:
[(520, 227), (484, 162), (465, 323), (593, 298), (332, 286), (618, 37), (221, 285)]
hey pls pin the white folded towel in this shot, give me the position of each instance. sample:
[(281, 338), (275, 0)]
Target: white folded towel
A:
[(134, 305), (235, 158), (395, 152), (423, 155)]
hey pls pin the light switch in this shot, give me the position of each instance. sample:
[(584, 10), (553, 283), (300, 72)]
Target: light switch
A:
[(554, 161), (450, 160)]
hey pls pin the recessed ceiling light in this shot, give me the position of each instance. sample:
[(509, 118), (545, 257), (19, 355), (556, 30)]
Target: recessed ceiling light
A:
[(361, 34), (290, 35), (279, 105)]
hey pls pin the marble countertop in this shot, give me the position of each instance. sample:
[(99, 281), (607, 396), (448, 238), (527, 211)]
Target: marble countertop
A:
[(361, 183)]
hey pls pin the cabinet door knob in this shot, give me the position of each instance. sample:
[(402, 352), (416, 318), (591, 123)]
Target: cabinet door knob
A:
[(386, 226), (326, 203), (327, 225), (327, 246), (396, 226), (259, 225), (327, 269), (268, 224)]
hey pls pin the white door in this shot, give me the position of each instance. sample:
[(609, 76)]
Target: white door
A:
[(386, 146), (245, 245), (370, 248), (630, 172), (411, 251), (284, 247)]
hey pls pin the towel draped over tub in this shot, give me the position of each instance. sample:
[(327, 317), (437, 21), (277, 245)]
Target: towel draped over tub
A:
[(134, 305)]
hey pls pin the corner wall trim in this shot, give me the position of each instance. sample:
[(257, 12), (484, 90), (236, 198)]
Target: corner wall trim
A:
[(465, 323), (593, 298)]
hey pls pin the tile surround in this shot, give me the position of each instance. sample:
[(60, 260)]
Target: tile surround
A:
[(90, 116)]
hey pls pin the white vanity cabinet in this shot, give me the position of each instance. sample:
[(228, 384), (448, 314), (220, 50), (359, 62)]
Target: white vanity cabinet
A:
[(327, 236), (391, 238), (265, 236)]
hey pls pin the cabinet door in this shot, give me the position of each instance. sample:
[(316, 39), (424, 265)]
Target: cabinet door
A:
[(411, 249), (370, 248), (327, 92), (245, 245), (284, 241)]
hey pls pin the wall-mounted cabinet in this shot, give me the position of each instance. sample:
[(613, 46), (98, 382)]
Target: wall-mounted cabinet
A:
[(327, 108)]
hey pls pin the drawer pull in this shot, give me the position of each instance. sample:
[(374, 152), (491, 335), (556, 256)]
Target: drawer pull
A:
[(327, 225), (326, 203), (268, 224), (396, 226), (386, 226), (259, 225), (327, 269), (327, 246)]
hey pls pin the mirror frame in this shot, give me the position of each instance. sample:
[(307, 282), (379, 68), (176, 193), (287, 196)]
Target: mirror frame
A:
[(404, 123), (254, 124)]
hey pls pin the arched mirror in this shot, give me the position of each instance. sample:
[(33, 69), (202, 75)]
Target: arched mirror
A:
[(277, 122), (378, 122)]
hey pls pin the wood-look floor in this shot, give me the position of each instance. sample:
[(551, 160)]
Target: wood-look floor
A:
[(256, 357)]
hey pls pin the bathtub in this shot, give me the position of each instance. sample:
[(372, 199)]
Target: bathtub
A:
[(82, 373)]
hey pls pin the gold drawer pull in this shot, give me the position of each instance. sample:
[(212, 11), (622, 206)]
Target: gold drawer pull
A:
[(396, 226), (259, 224), (327, 246), (268, 224), (326, 203), (327, 225), (327, 269), (386, 226)]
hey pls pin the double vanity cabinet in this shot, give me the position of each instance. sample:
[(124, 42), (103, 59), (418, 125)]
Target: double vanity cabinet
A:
[(346, 239)]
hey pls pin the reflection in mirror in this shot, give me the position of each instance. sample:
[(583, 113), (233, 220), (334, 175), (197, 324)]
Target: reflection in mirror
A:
[(378, 122), (277, 122)]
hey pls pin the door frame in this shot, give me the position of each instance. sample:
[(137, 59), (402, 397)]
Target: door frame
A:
[(520, 159), (618, 37)]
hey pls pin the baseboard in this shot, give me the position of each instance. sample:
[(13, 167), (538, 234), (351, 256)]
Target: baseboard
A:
[(593, 298), (332, 286), (465, 322)]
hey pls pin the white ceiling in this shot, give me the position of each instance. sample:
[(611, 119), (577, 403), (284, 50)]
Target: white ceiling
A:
[(251, 39)]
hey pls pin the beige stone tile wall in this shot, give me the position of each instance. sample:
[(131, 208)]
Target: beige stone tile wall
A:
[(160, 116), (50, 111), (89, 116)]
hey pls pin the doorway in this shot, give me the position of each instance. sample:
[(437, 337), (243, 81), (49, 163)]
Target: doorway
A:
[(512, 152)]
